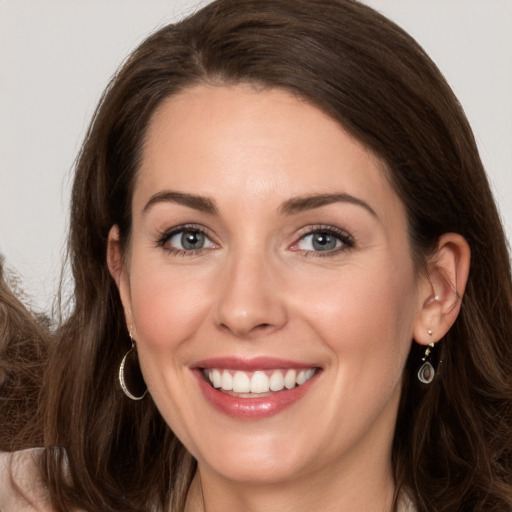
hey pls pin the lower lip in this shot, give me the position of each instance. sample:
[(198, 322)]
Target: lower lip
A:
[(253, 408)]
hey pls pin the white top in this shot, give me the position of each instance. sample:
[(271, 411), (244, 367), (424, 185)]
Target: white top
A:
[(34, 497)]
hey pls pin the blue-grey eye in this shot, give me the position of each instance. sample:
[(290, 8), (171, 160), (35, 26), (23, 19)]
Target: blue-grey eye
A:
[(188, 240), (319, 241)]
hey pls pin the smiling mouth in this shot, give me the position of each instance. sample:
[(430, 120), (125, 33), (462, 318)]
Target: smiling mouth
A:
[(257, 383)]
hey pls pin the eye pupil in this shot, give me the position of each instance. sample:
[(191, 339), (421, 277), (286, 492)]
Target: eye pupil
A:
[(192, 240), (323, 242)]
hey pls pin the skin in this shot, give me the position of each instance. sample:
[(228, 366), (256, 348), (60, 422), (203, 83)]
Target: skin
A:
[(260, 288)]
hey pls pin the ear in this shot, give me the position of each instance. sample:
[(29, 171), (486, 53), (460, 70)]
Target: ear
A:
[(442, 288), (117, 267)]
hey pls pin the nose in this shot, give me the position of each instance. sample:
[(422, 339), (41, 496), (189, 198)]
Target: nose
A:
[(251, 297)]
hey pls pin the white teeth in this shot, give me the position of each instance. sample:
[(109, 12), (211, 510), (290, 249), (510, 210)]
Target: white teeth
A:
[(276, 381), (227, 381), (241, 383), (216, 379), (290, 378), (259, 381)]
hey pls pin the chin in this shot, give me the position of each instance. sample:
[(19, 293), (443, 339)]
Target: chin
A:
[(257, 472), (256, 461)]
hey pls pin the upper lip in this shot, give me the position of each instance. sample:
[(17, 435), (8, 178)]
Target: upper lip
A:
[(251, 364)]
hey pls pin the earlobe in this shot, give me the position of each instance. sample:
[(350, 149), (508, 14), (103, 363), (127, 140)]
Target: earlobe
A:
[(442, 288)]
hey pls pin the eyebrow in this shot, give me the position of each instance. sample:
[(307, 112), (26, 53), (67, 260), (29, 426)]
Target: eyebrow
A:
[(200, 203), (291, 206), (310, 202)]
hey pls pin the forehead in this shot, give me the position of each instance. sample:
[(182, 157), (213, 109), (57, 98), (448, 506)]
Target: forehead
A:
[(220, 140)]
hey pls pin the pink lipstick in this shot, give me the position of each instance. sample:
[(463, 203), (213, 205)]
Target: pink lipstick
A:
[(254, 388)]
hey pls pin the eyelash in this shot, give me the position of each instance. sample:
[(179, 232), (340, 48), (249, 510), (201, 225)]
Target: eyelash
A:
[(347, 241), (164, 237)]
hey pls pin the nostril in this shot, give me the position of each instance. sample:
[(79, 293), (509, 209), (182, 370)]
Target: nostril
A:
[(246, 330)]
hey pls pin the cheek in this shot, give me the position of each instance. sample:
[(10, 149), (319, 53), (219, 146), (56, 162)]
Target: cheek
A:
[(168, 308), (167, 305), (366, 321), (366, 317)]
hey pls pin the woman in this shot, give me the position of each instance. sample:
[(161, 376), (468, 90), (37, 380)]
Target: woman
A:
[(273, 216)]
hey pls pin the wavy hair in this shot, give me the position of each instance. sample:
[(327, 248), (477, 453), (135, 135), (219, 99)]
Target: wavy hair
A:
[(453, 445), (24, 340)]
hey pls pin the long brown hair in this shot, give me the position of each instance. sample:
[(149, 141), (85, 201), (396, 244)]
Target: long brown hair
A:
[(453, 445), (24, 339)]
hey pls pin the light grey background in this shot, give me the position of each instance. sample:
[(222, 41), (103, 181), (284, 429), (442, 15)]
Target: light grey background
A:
[(56, 57)]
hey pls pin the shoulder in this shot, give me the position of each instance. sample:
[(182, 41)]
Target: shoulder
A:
[(21, 489), (405, 503)]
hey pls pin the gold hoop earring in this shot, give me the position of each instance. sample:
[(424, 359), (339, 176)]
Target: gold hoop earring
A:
[(131, 375)]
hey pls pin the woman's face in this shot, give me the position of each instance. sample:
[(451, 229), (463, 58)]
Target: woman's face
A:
[(269, 256)]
